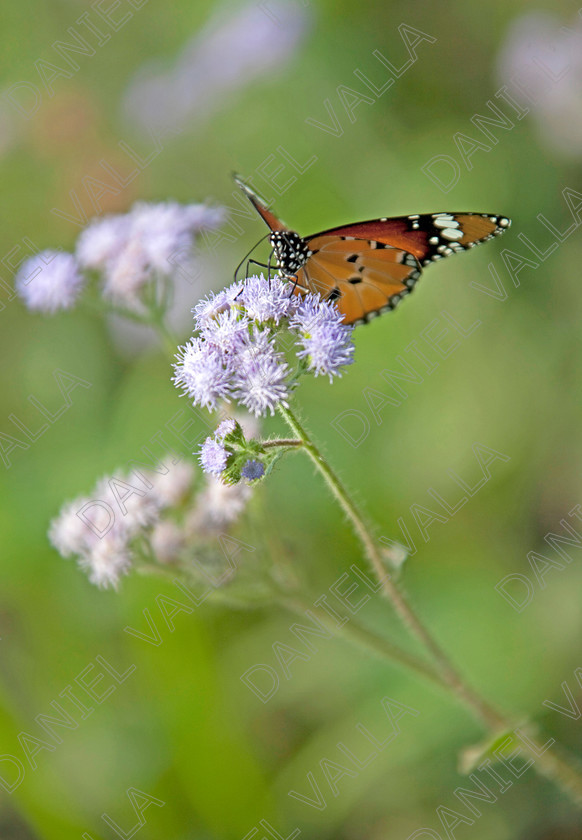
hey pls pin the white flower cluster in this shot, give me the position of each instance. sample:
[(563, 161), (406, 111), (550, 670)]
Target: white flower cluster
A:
[(157, 515)]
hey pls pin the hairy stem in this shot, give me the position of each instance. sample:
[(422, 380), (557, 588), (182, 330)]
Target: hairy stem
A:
[(284, 442), (554, 765)]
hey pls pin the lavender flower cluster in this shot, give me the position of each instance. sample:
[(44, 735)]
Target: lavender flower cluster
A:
[(237, 351), (238, 354), (129, 250), (156, 516)]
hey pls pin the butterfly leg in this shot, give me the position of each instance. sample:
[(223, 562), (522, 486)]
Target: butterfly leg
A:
[(295, 280), (254, 262), (270, 267)]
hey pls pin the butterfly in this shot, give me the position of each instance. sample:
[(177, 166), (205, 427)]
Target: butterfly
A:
[(367, 268)]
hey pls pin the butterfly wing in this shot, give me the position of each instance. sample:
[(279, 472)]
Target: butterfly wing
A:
[(260, 206), (428, 237), (368, 267), (364, 278)]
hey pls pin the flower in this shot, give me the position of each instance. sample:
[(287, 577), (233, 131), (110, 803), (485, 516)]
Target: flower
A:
[(131, 249), (167, 540), (49, 281), (201, 373), (253, 470), (166, 229), (101, 243), (242, 331), (225, 428), (210, 306), (272, 301), (542, 59), (232, 49), (259, 380), (213, 456), (217, 507), (227, 331), (119, 524), (108, 561), (327, 342), (68, 533), (171, 488), (100, 529)]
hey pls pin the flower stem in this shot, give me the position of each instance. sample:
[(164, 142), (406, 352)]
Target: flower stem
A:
[(556, 766), (363, 638), (284, 442)]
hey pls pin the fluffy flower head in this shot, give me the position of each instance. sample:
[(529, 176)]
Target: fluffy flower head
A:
[(49, 281), (241, 333)]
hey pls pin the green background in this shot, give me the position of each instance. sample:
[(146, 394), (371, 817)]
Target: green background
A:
[(183, 727)]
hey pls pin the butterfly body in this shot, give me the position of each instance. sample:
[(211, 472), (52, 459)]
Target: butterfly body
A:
[(291, 250), (368, 267)]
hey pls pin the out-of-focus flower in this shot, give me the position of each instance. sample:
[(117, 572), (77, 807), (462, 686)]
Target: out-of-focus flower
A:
[(171, 488), (167, 541), (217, 507), (98, 530), (49, 281), (147, 243), (127, 519), (233, 48), (102, 241), (108, 561), (541, 63)]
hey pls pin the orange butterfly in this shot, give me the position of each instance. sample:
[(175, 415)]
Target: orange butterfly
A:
[(368, 267)]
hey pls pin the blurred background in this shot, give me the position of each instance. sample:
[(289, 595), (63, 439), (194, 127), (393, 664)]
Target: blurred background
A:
[(156, 101)]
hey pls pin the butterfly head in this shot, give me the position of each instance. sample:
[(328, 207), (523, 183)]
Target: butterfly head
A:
[(291, 251)]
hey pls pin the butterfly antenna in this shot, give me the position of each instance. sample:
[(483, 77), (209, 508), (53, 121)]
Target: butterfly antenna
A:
[(256, 245)]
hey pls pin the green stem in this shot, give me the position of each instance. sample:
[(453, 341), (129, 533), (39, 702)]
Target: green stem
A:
[(556, 766), (364, 639), (288, 443)]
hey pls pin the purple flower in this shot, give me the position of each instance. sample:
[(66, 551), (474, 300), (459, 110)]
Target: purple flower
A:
[(101, 243), (232, 49), (131, 249), (225, 428), (238, 352), (260, 374), (266, 300), (542, 59), (213, 456), (202, 374), (166, 229), (327, 342), (49, 281), (212, 305), (227, 331), (253, 470)]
